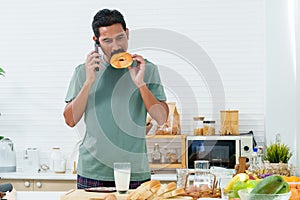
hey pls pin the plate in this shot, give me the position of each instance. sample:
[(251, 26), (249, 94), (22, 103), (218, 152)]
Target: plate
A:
[(101, 189)]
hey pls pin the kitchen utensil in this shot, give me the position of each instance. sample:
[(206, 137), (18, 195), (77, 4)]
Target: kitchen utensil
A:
[(7, 156)]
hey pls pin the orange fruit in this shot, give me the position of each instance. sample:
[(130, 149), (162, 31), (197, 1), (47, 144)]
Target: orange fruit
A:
[(121, 60)]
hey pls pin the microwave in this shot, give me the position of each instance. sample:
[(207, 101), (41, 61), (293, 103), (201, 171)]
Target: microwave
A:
[(221, 151)]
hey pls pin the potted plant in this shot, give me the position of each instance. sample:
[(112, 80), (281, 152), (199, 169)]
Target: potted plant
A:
[(277, 156), (277, 152), (2, 72)]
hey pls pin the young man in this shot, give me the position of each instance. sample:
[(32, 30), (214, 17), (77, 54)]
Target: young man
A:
[(115, 103)]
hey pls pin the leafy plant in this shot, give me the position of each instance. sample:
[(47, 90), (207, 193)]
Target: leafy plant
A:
[(2, 72), (277, 152)]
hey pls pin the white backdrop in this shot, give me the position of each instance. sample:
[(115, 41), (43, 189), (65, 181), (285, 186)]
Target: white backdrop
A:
[(43, 41)]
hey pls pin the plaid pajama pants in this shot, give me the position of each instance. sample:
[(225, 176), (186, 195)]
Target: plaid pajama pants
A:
[(83, 183)]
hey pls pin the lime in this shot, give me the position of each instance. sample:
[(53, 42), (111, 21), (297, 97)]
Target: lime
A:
[(251, 183), (238, 185), (233, 194)]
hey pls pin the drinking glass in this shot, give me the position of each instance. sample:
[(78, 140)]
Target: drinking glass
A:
[(122, 176), (181, 177)]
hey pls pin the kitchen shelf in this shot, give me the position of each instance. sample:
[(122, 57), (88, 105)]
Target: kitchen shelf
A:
[(171, 138)]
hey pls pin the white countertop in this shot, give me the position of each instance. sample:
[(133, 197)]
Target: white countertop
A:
[(227, 174), (68, 176), (41, 175)]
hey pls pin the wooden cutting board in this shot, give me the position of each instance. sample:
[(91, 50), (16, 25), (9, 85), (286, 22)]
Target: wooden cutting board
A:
[(83, 195)]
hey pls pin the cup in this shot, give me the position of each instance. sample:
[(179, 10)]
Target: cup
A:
[(122, 176), (202, 176)]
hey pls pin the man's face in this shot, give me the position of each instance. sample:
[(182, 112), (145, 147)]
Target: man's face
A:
[(113, 39)]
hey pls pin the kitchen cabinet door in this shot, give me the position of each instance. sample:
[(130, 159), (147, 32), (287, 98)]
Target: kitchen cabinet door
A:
[(54, 185), (20, 184)]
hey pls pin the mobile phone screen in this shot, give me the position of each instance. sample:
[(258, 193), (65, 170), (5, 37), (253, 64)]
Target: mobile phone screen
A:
[(97, 51)]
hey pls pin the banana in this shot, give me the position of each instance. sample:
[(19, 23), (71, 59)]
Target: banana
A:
[(269, 185)]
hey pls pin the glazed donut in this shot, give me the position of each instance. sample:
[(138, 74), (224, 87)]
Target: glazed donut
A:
[(121, 60)]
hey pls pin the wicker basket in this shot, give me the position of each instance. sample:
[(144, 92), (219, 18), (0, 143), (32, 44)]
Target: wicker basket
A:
[(213, 192)]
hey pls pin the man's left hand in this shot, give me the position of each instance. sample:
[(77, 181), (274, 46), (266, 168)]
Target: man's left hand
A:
[(137, 72)]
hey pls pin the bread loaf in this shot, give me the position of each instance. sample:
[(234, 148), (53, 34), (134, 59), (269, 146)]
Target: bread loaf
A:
[(153, 190)]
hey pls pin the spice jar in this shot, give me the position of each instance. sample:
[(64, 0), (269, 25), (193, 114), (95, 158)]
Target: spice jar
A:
[(209, 128), (156, 154), (198, 125)]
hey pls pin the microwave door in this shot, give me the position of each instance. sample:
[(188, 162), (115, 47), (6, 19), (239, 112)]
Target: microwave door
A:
[(218, 152)]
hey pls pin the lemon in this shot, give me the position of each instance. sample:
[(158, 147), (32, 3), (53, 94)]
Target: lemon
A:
[(239, 177)]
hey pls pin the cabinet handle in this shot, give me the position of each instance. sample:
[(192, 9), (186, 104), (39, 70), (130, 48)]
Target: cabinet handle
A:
[(27, 184), (39, 184)]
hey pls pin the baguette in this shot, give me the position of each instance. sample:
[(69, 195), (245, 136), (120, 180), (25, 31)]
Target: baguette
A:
[(167, 188), (153, 190), (173, 193), (145, 190)]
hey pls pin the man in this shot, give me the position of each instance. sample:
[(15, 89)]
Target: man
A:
[(115, 103)]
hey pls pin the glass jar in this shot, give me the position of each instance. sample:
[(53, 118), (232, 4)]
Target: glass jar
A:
[(209, 128), (198, 125), (156, 155), (171, 156), (56, 154)]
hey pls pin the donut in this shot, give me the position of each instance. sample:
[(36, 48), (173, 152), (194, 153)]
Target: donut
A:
[(121, 60)]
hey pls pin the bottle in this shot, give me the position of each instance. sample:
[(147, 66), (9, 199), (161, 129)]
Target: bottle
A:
[(253, 162), (260, 160), (156, 154)]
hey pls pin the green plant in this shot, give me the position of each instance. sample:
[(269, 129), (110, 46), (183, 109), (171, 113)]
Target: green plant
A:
[(2, 72), (277, 152)]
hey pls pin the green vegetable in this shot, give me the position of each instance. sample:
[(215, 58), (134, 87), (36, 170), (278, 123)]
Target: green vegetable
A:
[(284, 189), (269, 185)]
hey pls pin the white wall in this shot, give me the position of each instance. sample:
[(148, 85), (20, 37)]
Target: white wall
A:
[(42, 42), (280, 75), (297, 17)]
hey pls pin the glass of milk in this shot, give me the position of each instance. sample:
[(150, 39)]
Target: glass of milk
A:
[(122, 176)]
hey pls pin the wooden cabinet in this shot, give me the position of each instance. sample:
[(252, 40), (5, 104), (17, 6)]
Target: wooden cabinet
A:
[(41, 184), (177, 142)]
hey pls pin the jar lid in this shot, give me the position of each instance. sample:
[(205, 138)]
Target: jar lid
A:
[(198, 118), (209, 122)]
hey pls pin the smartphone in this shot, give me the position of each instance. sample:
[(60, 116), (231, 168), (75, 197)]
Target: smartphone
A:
[(101, 189), (97, 51)]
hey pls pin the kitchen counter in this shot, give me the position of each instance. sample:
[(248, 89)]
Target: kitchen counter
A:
[(39, 176), (221, 173), (68, 176)]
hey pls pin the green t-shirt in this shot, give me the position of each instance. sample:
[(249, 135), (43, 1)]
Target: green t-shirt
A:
[(115, 118)]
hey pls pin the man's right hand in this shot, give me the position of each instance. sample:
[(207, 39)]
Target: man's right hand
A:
[(92, 62)]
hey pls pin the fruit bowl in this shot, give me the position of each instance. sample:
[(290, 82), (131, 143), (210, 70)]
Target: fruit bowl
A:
[(246, 195)]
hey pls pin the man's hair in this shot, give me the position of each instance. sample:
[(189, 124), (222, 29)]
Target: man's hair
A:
[(107, 17)]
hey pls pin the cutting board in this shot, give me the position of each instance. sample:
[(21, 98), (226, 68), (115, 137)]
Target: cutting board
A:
[(83, 195)]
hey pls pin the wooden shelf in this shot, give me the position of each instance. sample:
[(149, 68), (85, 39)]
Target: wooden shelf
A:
[(161, 166), (166, 136), (182, 139)]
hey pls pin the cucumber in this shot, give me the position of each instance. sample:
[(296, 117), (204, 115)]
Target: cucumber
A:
[(285, 188), (269, 185)]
